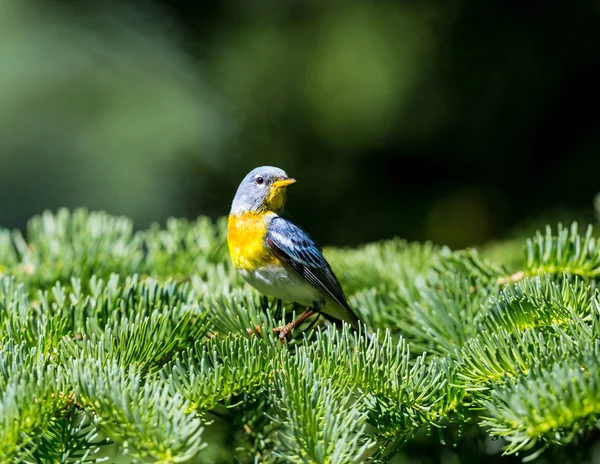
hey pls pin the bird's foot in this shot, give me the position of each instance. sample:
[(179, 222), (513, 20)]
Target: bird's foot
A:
[(284, 330)]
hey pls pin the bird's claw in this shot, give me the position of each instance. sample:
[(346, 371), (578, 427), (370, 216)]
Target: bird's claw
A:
[(284, 331)]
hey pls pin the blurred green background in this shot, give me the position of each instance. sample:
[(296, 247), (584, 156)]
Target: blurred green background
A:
[(453, 121)]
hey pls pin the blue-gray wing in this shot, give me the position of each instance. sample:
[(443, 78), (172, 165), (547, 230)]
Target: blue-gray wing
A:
[(290, 243)]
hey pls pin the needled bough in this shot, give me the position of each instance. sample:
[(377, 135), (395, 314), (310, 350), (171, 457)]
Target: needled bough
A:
[(147, 343)]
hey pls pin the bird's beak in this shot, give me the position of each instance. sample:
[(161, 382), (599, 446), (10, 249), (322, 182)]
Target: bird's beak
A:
[(283, 182)]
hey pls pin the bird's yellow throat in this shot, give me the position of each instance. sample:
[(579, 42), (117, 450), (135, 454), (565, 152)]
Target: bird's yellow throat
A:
[(246, 238), (276, 198)]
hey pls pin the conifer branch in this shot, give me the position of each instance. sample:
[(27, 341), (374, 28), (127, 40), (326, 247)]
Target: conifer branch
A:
[(140, 336), (549, 406)]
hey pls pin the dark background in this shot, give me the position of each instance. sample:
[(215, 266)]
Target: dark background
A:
[(453, 121)]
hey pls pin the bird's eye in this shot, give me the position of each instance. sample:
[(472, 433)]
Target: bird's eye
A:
[(259, 180)]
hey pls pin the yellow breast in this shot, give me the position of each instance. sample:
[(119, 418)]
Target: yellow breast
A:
[(246, 241)]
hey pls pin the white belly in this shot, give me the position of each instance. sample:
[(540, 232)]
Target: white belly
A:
[(283, 283)]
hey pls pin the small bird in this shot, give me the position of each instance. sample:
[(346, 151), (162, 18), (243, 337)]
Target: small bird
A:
[(276, 256)]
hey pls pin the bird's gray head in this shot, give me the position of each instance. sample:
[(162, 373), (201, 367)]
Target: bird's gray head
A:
[(263, 189)]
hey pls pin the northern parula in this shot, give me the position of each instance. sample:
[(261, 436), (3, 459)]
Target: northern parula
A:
[(276, 256)]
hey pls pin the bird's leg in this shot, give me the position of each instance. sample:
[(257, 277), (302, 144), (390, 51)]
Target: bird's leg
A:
[(285, 329)]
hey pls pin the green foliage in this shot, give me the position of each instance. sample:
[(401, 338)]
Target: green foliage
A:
[(319, 420), (551, 405), (149, 340), (34, 391), (212, 373), (567, 251)]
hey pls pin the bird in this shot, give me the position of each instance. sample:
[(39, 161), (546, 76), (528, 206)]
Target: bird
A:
[(276, 256)]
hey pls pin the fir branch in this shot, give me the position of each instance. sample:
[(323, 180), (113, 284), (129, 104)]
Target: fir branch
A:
[(549, 406), (537, 302), (244, 312), (567, 252), (144, 341), (381, 265), (143, 333), (468, 263), (213, 373), (495, 358), (446, 316), (218, 279), (36, 323), (111, 300), (62, 245), (319, 419), (403, 394), (256, 436), (382, 309), (141, 411), (390, 307), (185, 248), (71, 436), (32, 392)]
